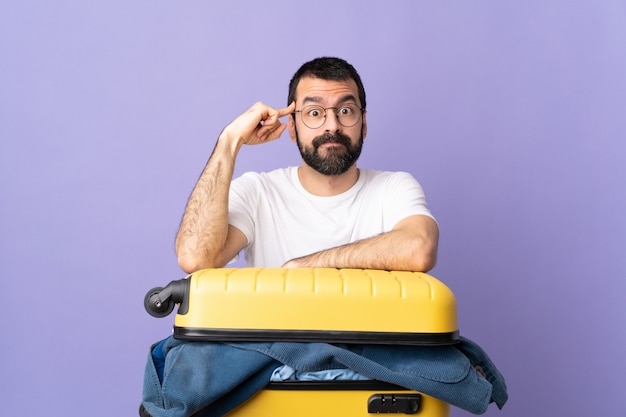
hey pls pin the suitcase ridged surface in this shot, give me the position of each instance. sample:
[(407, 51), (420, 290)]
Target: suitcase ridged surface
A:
[(318, 300)]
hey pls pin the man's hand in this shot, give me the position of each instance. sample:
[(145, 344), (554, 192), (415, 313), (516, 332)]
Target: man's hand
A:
[(259, 124)]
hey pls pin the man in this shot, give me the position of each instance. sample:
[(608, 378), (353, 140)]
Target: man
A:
[(325, 213)]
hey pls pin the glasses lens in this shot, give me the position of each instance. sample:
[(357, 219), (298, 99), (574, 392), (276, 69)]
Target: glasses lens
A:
[(348, 115), (313, 116)]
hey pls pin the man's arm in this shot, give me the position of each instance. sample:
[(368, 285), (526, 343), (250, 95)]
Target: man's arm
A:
[(410, 246), (205, 239)]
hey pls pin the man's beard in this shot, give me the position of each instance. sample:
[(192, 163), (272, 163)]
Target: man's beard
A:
[(337, 160)]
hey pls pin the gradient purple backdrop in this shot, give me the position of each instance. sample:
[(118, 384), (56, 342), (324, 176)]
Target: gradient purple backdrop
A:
[(510, 114)]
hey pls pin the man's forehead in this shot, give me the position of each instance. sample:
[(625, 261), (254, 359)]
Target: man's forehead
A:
[(319, 90)]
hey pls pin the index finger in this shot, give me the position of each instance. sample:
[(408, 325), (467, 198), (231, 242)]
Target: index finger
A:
[(273, 115), (286, 110)]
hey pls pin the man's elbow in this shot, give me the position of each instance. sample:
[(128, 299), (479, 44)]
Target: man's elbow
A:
[(420, 237), (424, 255), (423, 262), (190, 263)]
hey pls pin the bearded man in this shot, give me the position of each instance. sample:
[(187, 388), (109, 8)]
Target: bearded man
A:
[(325, 212)]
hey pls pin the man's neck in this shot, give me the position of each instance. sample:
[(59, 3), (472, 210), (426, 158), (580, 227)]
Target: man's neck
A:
[(327, 185)]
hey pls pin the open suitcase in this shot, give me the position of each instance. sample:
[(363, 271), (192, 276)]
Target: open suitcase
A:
[(316, 305)]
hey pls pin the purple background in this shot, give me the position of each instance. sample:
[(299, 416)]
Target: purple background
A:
[(511, 114)]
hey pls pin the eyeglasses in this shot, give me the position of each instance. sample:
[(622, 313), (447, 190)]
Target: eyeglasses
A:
[(314, 116)]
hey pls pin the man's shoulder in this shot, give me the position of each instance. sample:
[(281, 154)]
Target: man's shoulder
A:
[(270, 178), (389, 182), (371, 175)]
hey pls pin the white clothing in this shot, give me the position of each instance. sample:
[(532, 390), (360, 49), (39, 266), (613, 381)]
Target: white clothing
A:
[(282, 221)]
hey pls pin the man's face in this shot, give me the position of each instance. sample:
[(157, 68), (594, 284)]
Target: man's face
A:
[(330, 149)]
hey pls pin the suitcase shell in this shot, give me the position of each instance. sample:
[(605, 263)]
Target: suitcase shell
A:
[(317, 304), (343, 399), (312, 305)]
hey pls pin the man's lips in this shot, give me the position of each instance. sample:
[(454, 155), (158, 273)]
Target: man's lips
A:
[(332, 146), (331, 140)]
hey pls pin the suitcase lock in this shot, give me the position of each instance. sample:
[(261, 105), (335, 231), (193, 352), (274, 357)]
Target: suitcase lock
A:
[(394, 403)]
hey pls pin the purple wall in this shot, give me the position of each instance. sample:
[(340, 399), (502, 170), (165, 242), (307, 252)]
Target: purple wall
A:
[(511, 115)]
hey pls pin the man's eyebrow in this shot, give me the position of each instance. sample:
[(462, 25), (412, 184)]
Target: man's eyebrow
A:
[(317, 99), (312, 99)]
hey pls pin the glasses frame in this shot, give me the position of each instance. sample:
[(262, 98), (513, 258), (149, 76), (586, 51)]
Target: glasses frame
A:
[(336, 109)]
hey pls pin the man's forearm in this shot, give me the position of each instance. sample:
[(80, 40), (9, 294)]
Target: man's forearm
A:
[(204, 227), (398, 250)]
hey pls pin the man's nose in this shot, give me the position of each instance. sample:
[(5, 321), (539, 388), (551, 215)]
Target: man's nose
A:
[(331, 122)]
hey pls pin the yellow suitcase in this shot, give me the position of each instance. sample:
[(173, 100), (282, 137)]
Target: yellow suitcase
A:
[(316, 305)]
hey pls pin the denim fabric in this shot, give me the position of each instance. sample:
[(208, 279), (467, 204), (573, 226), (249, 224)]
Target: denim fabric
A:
[(222, 375), (478, 357), (197, 374)]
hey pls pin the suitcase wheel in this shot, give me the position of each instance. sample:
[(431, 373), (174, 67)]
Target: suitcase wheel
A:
[(154, 306)]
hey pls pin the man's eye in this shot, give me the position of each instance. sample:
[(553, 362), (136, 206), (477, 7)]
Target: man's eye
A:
[(315, 112), (346, 111)]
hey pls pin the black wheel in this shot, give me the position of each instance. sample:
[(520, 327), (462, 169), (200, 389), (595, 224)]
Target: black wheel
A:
[(156, 308)]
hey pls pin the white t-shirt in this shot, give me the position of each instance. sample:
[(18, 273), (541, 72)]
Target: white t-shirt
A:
[(282, 221)]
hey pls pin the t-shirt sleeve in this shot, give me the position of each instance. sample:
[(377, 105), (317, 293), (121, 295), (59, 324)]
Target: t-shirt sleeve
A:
[(405, 197)]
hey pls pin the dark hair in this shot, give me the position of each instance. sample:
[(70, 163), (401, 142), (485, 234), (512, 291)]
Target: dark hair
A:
[(326, 68)]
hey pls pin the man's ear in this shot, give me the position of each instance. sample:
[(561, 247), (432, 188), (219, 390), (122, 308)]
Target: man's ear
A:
[(291, 126), (364, 126)]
